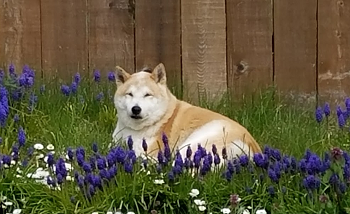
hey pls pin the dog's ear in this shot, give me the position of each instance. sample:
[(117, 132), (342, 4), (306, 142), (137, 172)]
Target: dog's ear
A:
[(159, 74), (120, 75)]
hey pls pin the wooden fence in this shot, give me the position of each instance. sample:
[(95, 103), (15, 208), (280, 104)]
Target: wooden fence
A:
[(301, 46)]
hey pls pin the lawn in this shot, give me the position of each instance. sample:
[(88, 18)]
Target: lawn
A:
[(55, 156)]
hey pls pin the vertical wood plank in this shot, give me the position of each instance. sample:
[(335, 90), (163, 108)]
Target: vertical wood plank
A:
[(249, 46), (203, 49), (111, 35), (333, 51), (295, 37), (20, 39), (157, 38), (64, 38)]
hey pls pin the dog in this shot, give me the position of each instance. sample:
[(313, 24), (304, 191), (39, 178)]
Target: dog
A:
[(146, 109)]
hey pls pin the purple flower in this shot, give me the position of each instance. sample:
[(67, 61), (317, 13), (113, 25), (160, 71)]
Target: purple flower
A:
[(101, 163), (214, 149), (120, 155), (97, 75), (327, 109), (216, 159), (272, 175), (197, 158), (318, 115), (65, 89), (92, 162), (228, 175), (341, 121), (160, 157), (61, 168), (77, 78), (112, 171), (70, 153), (95, 147), (128, 167), (74, 87), (244, 160), (130, 142), (6, 159), (21, 136), (167, 152), (261, 160), (224, 153), (188, 152), (144, 145), (311, 182), (87, 167), (111, 76), (50, 159)]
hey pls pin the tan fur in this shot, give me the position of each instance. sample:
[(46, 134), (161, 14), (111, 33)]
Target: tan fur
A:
[(182, 118)]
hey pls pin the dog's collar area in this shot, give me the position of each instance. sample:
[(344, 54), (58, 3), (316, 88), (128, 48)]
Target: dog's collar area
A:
[(137, 117)]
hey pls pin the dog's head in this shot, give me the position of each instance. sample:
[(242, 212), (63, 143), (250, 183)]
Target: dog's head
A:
[(141, 98)]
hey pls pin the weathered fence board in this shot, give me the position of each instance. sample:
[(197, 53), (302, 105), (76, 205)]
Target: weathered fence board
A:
[(111, 35), (249, 45), (64, 37), (158, 36), (333, 50), (295, 36), (20, 40), (203, 48)]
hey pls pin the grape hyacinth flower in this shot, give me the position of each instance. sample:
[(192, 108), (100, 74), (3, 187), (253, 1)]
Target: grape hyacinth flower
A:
[(130, 143), (111, 76), (97, 75), (21, 136), (144, 145), (74, 87), (318, 115), (311, 182), (94, 147), (341, 120), (77, 78), (327, 109), (65, 89)]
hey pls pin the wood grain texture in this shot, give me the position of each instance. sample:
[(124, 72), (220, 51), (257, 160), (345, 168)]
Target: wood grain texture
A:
[(203, 49), (111, 35), (295, 34), (64, 38), (249, 46), (333, 50), (157, 36), (20, 39)]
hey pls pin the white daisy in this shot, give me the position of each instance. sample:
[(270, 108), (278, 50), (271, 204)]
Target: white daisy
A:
[(159, 181), (194, 192), (50, 147), (16, 211), (202, 208), (263, 211), (38, 146), (225, 210)]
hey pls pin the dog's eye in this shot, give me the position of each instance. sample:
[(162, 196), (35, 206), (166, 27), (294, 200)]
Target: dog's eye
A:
[(148, 95), (129, 94)]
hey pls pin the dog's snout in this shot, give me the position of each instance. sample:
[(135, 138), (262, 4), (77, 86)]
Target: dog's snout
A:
[(136, 110)]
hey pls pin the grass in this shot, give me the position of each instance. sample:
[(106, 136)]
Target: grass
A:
[(81, 119)]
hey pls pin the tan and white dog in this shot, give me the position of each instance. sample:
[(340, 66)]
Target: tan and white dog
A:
[(146, 108)]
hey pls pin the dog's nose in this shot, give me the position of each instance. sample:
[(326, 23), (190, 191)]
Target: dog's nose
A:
[(136, 110)]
